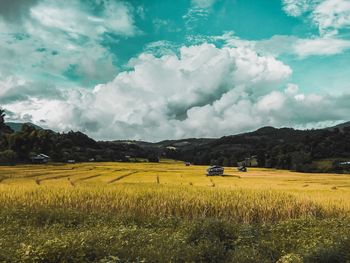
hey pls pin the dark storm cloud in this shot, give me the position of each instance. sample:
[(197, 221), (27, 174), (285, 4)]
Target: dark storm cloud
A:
[(15, 10), (18, 90), (178, 110)]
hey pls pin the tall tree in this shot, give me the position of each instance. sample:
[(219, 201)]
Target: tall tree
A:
[(4, 129), (2, 117)]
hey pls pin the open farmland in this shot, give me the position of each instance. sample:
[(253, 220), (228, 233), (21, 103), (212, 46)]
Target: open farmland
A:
[(110, 212)]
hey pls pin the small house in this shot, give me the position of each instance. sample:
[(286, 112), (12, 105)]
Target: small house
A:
[(344, 165), (215, 170), (187, 163), (71, 161), (171, 148), (40, 158)]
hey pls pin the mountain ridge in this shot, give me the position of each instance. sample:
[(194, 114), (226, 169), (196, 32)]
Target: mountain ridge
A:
[(283, 148), (17, 126)]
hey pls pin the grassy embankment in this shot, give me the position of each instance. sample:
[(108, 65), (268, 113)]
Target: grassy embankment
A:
[(110, 212)]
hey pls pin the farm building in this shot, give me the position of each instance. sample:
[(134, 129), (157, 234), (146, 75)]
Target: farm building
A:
[(215, 170), (171, 148), (187, 163), (40, 158), (345, 165)]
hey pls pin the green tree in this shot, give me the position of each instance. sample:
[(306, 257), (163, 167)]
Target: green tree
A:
[(4, 129), (153, 158), (226, 162), (261, 158), (8, 157), (2, 117)]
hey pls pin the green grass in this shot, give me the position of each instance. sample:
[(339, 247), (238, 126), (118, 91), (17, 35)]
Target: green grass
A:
[(67, 236)]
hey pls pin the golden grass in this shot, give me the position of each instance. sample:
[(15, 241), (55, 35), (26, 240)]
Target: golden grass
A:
[(170, 189)]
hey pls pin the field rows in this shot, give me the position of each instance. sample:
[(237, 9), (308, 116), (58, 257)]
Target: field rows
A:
[(171, 173), (172, 189)]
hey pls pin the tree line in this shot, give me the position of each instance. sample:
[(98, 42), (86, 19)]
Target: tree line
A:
[(319, 150), (299, 150), (20, 147)]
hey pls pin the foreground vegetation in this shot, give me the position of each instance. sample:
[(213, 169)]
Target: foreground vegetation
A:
[(117, 212)]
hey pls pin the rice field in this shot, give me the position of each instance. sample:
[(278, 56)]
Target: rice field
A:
[(168, 212), (171, 189)]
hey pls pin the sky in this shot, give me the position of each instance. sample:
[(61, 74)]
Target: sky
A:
[(163, 69)]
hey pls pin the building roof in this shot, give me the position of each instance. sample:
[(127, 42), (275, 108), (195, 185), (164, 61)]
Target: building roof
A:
[(41, 156), (44, 155)]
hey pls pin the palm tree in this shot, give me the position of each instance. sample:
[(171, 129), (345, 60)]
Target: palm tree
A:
[(2, 116)]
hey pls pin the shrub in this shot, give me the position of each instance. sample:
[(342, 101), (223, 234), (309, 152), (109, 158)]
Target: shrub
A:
[(338, 252), (290, 258), (213, 239), (8, 157)]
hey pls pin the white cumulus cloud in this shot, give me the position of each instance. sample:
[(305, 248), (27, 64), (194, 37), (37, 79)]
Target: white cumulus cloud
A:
[(332, 15), (203, 3), (63, 38), (320, 46), (328, 15), (205, 91), (69, 17), (285, 44)]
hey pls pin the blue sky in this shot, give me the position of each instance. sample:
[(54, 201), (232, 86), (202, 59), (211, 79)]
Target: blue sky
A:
[(160, 69)]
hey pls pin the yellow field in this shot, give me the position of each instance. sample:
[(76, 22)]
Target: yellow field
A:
[(172, 189)]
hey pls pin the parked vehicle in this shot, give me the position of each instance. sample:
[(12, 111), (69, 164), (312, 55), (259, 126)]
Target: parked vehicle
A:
[(215, 170)]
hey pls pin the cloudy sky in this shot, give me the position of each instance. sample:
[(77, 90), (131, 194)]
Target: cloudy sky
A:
[(164, 69)]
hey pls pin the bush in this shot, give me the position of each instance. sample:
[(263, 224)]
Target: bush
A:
[(152, 158), (8, 157), (337, 252), (290, 258), (213, 239)]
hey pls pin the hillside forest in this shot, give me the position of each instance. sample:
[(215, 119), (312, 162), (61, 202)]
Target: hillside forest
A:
[(316, 150)]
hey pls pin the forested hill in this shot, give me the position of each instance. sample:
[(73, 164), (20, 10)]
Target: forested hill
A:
[(16, 126), (19, 147), (286, 148)]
